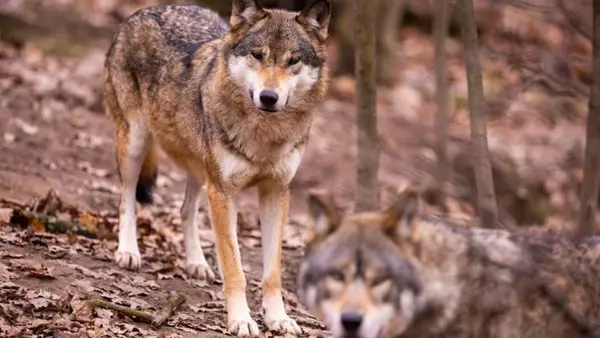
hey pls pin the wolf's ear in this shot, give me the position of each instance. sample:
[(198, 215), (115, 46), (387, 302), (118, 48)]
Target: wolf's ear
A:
[(323, 213), (246, 11), (402, 216), (315, 17)]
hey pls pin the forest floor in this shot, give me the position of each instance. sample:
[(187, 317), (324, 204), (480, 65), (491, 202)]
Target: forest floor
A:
[(55, 140)]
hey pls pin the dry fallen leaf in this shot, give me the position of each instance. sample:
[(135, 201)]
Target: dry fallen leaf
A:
[(5, 214), (5, 274), (89, 273), (88, 221), (8, 330), (9, 138), (27, 128), (56, 252), (85, 286), (36, 225), (32, 268), (81, 310), (66, 334)]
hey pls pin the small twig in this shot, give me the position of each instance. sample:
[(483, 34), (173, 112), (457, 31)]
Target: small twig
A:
[(175, 300), (137, 314)]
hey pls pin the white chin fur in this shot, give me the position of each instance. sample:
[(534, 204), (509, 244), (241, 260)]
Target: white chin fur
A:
[(374, 323), (290, 91)]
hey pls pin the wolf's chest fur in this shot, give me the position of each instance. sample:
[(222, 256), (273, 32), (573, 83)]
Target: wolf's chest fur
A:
[(239, 173)]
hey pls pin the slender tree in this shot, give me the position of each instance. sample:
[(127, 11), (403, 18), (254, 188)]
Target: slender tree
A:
[(390, 18), (441, 32), (486, 198), (367, 192), (591, 170)]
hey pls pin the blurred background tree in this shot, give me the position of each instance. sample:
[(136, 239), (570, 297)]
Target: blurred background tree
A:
[(368, 153)]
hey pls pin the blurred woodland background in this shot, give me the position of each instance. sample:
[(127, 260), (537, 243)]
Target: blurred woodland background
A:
[(535, 58)]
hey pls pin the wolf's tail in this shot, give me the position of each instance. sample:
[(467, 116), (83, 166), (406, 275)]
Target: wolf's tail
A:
[(149, 172), (147, 178)]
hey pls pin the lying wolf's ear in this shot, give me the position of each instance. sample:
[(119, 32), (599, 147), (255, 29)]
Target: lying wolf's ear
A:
[(315, 17), (402, 216), (246, 11), (323, 213)]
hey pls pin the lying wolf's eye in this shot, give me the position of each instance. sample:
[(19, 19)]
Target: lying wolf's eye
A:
[(381, 288), (336, 276), (293, 60), (257, 55)]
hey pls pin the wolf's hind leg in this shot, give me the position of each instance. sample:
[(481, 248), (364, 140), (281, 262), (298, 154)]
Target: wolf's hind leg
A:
[(196, 264), (133, 142)]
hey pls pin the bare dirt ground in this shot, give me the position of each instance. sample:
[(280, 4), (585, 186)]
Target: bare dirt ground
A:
[(54, 136)]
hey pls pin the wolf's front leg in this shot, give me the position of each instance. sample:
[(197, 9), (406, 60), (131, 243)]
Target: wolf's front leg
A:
[(274, 209), (224, 223)]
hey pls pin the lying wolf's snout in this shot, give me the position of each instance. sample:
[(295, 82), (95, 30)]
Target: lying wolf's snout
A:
[(351, 321), (268, 98)]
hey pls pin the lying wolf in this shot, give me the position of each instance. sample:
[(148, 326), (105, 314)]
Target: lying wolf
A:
[(398, 274)]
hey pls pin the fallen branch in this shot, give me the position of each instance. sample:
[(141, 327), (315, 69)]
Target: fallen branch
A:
[(136, 314), (174, 301), (50, 223)]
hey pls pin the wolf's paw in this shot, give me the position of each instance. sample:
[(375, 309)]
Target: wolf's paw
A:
[(200, 271), (283, 324), (128, 260), (245, 327)]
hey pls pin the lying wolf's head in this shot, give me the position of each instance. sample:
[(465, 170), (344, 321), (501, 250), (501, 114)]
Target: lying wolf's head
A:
[(353, 275), (278, 57)]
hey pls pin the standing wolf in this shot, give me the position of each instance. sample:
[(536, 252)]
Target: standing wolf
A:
[(397, 274), (231, 104)]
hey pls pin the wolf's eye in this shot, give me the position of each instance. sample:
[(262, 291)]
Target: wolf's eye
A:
[(293, 60), (257, 55), (334, 283), (336, 276), (381, 287)]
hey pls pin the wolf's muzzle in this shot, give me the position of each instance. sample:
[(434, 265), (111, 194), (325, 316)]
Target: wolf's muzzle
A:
[(268, 98), (351, 321)]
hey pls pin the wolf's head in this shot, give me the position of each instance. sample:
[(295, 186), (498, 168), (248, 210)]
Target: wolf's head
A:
[(278, 57), (354, 276)]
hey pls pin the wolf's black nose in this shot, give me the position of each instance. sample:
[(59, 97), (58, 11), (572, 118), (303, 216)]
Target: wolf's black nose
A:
[(268, 98), (351, 321)]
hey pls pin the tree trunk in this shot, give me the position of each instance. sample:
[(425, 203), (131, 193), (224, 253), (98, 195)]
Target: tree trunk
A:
[(441, 127), (367, 192), (345, 28), (390, 19), (486, 198), (386, 28), (591, 171)]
